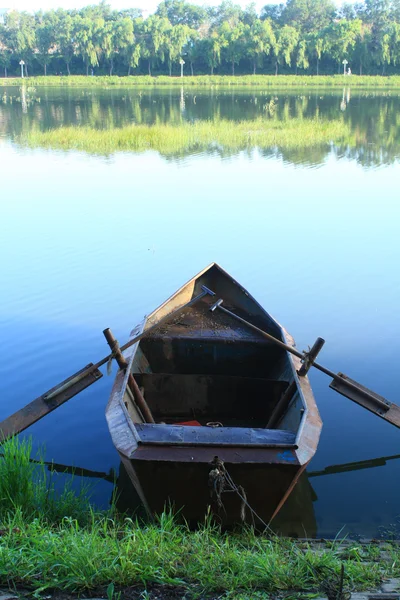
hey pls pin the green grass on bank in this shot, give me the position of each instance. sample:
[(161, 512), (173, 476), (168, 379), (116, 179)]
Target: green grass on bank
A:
[(86, 551), (267, 81), (29, 486), (206, 561), (199, 136)]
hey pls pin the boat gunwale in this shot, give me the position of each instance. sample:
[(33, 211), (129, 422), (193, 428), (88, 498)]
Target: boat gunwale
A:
[(310, 425)]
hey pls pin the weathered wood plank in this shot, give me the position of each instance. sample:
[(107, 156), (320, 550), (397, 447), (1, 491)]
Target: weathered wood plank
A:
[(40, 407), (216, 436), (368, 399)]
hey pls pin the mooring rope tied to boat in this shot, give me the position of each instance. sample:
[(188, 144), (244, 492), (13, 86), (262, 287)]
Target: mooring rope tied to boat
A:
[(218, 478), (216, 481)]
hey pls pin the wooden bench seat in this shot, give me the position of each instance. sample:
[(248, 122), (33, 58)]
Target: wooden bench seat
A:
[(184, 435)]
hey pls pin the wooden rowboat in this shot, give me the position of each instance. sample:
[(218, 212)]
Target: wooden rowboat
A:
[(230, 410), (210, 399)]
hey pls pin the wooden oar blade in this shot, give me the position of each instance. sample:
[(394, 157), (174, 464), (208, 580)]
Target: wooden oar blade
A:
[(45, 404), (366, 398)]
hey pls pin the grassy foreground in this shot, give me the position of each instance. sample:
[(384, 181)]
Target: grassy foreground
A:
[(79, 550), (124, 553), (186, 137), (268, 81)]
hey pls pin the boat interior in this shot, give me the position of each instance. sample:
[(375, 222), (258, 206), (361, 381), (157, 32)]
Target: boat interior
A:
[(205, 368)]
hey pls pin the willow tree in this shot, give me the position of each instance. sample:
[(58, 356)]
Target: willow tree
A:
[(395, 42), (260, 39), (117, 38), (5, 52), (386, 49), (154, 38), (316, 44), (341, 39), (302, 61), (233, 42), (286, 41), (19, 28), (362, 53), (5, 58), (64, 36), (176, 38), (45, 37), (212, 48), (193, 50), (132, 51), (89, 33)]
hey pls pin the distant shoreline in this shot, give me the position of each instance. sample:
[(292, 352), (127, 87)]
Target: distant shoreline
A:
[(267, 81)]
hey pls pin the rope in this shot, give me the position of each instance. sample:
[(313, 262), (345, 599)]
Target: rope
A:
[(307, 360), (114, 350), (243, 505), (216, 481), (242, 495), (220, 481)]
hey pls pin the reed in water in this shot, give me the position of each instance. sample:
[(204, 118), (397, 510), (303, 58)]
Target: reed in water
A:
[(168, 139)]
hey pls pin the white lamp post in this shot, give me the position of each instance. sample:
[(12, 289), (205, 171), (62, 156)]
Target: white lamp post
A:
[(21, 62), (181, 62), (345, 62)]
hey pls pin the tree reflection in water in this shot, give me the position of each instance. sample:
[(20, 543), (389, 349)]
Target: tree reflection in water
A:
[(373, 141)]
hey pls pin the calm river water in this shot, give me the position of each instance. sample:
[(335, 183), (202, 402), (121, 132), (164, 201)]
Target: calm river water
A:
[(89, 242)]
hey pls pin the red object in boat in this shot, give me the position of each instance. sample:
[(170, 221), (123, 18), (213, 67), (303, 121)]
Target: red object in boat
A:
[(189, 423)]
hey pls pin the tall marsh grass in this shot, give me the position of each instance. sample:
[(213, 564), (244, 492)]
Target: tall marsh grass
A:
[(268, 81), (222, 135), (29, 487)]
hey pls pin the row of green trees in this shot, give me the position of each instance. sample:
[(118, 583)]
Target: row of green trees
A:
[(305, 36)]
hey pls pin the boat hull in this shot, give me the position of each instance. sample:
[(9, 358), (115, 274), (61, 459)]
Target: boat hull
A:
[(180, 479)]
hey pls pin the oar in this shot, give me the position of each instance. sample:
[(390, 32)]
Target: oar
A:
[(341, 383), (46, 403)]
